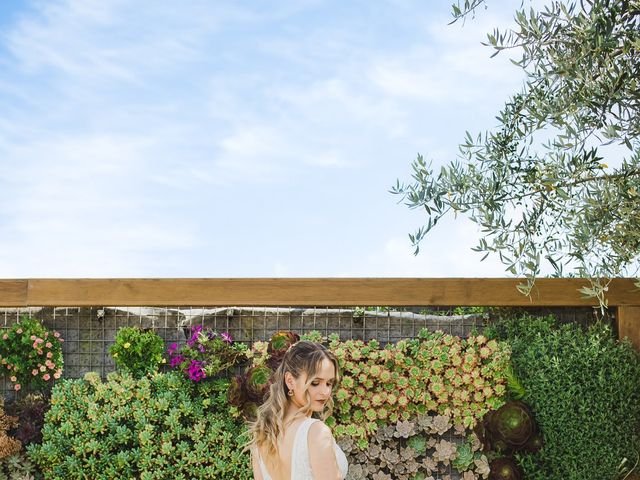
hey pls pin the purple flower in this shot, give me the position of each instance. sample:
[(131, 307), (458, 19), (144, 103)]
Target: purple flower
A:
[(201, 348), (195, 370), (195, 332), (175, 361), (172, 349), (226, 336)]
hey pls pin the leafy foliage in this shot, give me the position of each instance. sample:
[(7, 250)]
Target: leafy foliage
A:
[(539, 185), (20, 424), (30, 412), (155, 427), (584, 388), (137, 351)]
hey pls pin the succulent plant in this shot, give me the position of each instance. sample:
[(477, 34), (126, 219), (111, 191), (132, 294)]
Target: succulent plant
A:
[(464, 458), (535, 443), (257, 382), (513, 423), (280, 343), (236, 394), (505, 469)]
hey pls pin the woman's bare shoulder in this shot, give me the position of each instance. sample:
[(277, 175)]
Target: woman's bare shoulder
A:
[(319, 432)]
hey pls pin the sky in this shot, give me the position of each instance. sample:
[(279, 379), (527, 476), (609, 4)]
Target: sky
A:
[(236, 139)]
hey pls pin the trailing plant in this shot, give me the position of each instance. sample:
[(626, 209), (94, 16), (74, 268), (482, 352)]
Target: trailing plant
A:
[(584, 388), (137, 351), (206, 354), (154, 427), (30, 354)]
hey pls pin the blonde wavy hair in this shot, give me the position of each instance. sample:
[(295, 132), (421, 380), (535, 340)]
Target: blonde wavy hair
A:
[(303, 358)]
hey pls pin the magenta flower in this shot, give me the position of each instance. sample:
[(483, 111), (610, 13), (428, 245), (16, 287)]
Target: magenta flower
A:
[(226, 336), (172, 348), (195, 331), (175, 361), (196, 371), (201, 348)]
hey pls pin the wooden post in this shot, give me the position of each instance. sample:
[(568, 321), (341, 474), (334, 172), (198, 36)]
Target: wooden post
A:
[(628, 319)]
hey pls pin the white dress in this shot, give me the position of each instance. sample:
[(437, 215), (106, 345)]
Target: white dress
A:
[(300, 464)]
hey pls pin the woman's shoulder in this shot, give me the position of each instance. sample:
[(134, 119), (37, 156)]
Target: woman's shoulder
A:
[(319, 432)]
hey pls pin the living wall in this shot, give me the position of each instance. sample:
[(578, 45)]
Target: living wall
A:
[(425, 408)]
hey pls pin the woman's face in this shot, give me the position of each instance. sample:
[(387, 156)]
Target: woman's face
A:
[(319, 389)]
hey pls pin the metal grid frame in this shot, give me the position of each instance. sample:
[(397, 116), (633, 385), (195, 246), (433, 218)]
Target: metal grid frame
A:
[(89, 331)]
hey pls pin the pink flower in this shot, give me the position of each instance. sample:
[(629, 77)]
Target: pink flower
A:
[(19, 331), (56, 334), (32, 337), (39, 340), (17, 387), (57, 375), (34, 372), (46, 377), (43, 368), (35, 345), (48, 345), (49, 354), (40, 352), (5, 336), (46, 334), (13, 378), (61, 339)]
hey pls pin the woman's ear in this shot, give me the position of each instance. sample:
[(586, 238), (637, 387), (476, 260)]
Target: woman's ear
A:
[(289, 380)]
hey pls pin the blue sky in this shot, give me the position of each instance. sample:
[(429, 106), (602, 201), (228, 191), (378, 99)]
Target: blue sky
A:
[(235, 139)]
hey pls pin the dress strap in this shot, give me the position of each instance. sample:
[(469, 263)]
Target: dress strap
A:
[(263, 468)]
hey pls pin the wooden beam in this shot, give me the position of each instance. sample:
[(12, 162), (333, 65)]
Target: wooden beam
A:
[(13, 293), (309, 292), (628, 319)]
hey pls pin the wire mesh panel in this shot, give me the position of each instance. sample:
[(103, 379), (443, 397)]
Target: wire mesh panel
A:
[(90, 331)]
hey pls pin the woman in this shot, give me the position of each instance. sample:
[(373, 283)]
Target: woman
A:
[(287, 443)]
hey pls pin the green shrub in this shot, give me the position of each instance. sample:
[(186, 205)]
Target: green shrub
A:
[(137, 351), (584, 389), (156, 427)]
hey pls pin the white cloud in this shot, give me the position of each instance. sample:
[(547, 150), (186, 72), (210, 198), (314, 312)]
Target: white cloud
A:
[(130, 131)]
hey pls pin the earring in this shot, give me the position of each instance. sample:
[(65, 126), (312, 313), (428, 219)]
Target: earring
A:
[(290, 393)]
